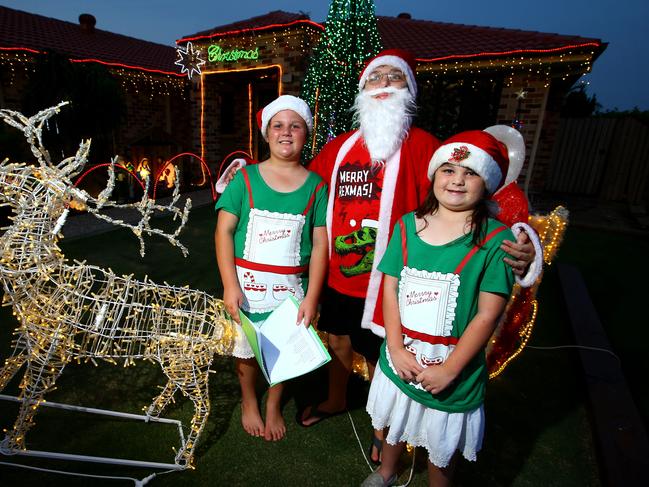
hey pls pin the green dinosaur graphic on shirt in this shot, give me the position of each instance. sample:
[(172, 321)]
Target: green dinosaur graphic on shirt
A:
[(360, 242)]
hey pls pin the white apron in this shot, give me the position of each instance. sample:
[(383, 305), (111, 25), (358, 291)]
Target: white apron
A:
[(427, 302), (269, 271)]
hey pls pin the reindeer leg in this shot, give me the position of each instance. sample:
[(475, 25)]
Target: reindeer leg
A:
[(10, 367), (44, 365), (14, 362), (161, 401), (198, 393)]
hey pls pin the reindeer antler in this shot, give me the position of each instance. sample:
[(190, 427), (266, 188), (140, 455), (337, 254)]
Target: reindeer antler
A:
[(71, 166), (146, 207), (32, 127)]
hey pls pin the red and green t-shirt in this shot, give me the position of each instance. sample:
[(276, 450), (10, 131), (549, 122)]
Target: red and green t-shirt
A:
[(356, 209)]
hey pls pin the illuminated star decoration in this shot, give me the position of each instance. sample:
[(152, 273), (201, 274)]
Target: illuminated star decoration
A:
[(517, 123), (189, 60)]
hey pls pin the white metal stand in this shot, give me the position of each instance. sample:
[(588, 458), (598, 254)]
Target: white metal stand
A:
[(92, 459)]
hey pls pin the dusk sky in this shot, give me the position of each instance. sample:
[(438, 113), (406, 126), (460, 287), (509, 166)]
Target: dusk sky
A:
[(620, 77)]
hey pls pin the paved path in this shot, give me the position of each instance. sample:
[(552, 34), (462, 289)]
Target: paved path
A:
[(621, 437), (84, 224)]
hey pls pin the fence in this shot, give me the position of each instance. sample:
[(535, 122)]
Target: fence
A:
[(603, 157)]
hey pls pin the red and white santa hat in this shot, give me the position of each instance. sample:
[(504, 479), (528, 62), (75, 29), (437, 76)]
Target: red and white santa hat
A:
[(284, 102), (477, 150), (398, 58)]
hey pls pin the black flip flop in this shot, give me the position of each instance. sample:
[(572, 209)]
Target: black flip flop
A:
[(316, 413), (378, 444)]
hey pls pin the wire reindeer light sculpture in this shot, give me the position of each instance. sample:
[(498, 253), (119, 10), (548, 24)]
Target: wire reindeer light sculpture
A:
[(75, 311)]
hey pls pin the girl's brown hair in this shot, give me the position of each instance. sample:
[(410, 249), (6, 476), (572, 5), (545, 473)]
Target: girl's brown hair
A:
[(479, 216)]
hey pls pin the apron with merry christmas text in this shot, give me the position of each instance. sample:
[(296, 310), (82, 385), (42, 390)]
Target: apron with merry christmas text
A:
[(427, 302), (269, 271)]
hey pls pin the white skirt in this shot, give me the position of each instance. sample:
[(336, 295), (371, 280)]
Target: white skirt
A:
[(441, 433), (242, 347)]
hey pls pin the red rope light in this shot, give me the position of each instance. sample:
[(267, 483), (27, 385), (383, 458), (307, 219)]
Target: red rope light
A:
[(250, 117), (203, 163), (222, 71), (92, 60), (139, 68), (251, 29), (506, 53), (119, 166), (20, 49)]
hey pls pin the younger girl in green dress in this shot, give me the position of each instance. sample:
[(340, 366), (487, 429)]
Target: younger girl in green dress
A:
[(445, 287)]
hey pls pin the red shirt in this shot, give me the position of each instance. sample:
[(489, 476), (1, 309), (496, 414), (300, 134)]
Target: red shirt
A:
[(356, 206), (409, 187)]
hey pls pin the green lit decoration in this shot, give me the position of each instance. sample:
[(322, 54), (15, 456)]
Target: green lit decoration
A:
[(216, 54), (331, 81)]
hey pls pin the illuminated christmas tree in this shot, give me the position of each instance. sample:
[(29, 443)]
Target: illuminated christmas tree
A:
[(331, 81)]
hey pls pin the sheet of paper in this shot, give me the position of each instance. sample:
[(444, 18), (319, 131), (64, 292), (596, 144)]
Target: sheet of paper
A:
[(289, 350)]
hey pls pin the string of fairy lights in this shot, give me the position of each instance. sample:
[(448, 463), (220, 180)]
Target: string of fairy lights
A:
[(86, 313), (331, 82), (152, 85), (17, 64), (545, 66), (20, 65), (515, 330)]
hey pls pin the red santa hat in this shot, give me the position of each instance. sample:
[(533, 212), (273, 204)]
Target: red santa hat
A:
[(284, 102), (398, 58), (477, 150)]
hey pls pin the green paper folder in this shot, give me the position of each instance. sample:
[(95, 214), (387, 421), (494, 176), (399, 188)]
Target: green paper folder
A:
[(283, 349)]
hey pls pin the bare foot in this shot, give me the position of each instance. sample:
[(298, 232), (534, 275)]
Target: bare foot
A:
[(312, 415), (275, 426), (251, 418)]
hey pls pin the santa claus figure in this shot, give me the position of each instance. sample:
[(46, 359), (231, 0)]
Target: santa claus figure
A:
[(375, 174)]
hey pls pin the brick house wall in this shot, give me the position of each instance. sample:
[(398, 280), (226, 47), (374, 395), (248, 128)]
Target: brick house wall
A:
[(226, 84), (15, 69), (156, 107), (530, 111)]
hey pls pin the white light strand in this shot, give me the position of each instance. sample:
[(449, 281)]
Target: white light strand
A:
[(82, 312)]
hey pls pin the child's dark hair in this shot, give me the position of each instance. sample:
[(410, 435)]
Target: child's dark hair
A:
[(479, 216)]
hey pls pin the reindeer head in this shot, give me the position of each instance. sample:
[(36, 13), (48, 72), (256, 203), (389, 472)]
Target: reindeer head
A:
[(49, 186), (45, 186)]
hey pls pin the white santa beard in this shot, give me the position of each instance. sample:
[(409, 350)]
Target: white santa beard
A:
[(384, 123)]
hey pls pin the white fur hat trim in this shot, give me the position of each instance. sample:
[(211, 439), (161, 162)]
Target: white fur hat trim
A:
[(478, 160), (286, 102)]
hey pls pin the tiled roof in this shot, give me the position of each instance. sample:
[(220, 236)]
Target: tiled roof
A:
[(429, 40), (20, 29), (276, 18)]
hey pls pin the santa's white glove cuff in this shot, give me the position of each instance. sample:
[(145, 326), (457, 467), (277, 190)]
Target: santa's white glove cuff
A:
[(535, 268), (224, 180)]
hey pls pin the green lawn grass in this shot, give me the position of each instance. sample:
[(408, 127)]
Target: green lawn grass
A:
[(538, 430)]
